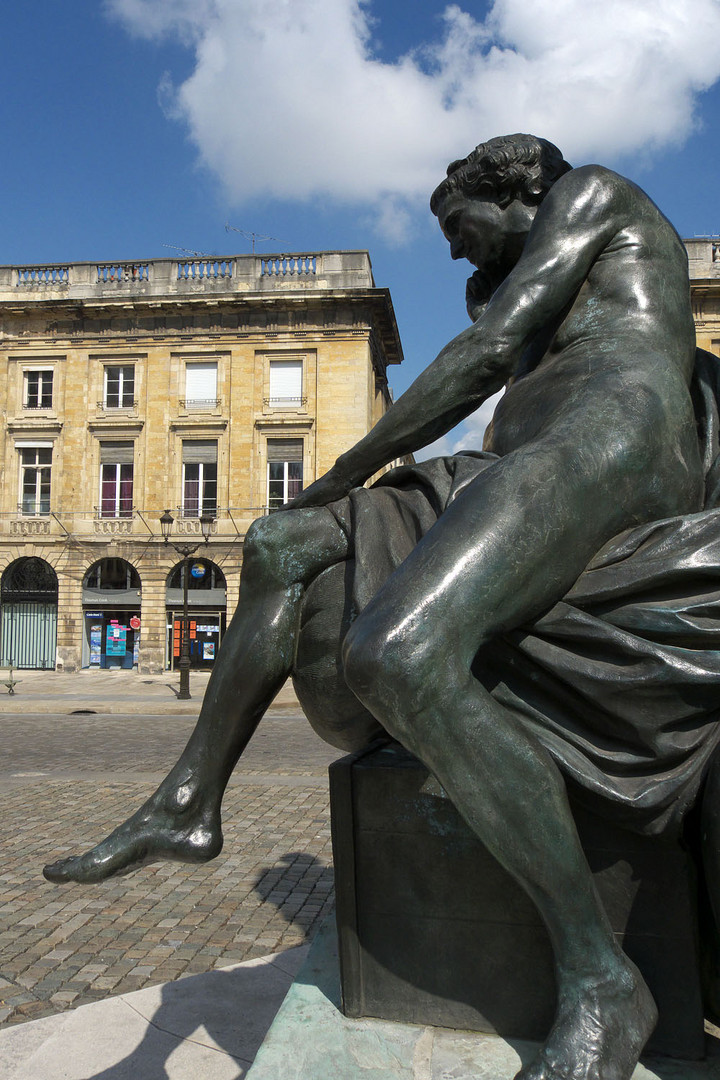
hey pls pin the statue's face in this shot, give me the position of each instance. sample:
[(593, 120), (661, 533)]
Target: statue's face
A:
[(489, 236)]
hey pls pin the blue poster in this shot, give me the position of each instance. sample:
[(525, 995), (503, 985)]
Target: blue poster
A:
[(95, 643), (115, 641)]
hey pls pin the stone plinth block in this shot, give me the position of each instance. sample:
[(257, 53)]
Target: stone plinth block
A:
[(432, 930)]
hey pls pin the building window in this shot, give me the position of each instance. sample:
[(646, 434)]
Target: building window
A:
[(116, 479), (285, 384), (35, 466), (199, 478), (112, 574), (119, 392), (38, 389), (285, 471), (200, 386)]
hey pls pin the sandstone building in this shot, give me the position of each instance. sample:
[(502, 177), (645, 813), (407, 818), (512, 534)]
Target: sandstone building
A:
[(704, 265), (212, 387)]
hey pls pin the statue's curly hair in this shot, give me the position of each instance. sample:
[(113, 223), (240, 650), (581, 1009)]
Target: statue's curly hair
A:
[(503, 169)]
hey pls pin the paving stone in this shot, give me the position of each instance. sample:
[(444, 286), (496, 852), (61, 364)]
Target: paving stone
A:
[(63, 946)]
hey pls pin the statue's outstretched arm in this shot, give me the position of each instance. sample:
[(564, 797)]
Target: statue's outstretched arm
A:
[(573, 225)]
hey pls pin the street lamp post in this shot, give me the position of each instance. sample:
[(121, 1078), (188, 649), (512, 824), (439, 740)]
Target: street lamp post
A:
[(186, 550)]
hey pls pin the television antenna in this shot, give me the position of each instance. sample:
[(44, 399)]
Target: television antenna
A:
[(189, 251), (253, 237)]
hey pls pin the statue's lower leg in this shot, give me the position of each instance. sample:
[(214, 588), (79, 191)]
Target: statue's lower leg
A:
[(181, 820), (510, 792)]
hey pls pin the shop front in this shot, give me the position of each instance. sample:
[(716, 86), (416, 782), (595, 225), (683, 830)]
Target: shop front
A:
[(206, 613), (111, 639), (111, 615)]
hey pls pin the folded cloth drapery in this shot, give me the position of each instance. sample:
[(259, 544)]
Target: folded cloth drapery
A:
[(620, 680)]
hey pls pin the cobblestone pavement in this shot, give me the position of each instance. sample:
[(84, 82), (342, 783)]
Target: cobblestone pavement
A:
[(66, 781)]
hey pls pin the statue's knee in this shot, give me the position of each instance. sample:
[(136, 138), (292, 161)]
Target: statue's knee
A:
[(267, 540), (260, 534), (377, 672)]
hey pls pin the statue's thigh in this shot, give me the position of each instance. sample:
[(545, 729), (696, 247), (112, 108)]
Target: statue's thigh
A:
[(332, 709)]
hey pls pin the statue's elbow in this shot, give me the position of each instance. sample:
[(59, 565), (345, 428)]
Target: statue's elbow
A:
[(494, 362)]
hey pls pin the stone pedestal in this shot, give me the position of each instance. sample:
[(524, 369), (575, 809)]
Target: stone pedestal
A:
[(432, 930)]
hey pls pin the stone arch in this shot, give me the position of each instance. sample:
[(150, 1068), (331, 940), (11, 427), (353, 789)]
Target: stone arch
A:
[(212, 579), (112, 574), (28, 613)]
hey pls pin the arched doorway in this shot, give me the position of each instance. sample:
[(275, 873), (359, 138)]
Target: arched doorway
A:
[(29, 602), (111, 610), (207, 606)]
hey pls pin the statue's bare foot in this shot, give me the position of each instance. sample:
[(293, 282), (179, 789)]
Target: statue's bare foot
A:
[(599, 1031), (172, 824)]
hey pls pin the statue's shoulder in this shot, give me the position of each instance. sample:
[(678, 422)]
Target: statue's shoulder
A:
[(595, 180), (589, 193), (598, 189)]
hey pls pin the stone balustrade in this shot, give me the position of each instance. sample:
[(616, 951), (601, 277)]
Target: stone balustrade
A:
[(228, 524), (188, 277)]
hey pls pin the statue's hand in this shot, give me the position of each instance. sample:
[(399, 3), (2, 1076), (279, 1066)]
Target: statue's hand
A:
[(333, 485), (477, 294)]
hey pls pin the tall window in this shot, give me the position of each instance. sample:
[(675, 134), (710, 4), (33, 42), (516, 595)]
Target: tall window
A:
[(35, 467), (285, 471), (285, 383), (199, 477), (119, 387), (200, 385), (38, 389), (116, 479)]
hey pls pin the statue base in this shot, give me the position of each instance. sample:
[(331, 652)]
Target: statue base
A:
[(310, 1039), (433, 931)]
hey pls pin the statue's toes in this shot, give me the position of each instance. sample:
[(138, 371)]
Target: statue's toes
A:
[(59, 872), (81, 869)]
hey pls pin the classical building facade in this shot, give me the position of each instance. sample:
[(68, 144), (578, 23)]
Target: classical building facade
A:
[(704, 265), (215, 388)]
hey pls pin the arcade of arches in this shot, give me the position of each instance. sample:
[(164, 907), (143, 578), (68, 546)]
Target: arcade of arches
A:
[(130, 615)]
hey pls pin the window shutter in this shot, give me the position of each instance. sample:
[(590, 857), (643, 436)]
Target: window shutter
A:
[(285, 450), (201, 382), (285, 380), (117, 453), (199, 452)]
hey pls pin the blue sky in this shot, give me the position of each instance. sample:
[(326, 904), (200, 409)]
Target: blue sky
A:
[(129, 125)]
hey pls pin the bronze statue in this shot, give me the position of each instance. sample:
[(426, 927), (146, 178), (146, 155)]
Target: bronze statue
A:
[(441, 605)]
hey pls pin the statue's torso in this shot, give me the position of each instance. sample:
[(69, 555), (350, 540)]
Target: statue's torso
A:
[(619, 357)]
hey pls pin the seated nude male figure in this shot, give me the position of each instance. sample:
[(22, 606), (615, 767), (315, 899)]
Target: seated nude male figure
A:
[(583, 309)]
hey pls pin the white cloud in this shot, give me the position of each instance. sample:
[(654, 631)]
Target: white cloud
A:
[(288, 100)]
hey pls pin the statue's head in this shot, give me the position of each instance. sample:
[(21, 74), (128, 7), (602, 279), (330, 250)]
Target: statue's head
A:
[(504, 169)]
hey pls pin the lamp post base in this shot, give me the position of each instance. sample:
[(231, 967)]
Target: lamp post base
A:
[(184, 691)]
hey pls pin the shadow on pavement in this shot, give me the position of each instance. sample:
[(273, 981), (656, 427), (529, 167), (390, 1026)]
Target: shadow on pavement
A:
[(236, 1007)]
